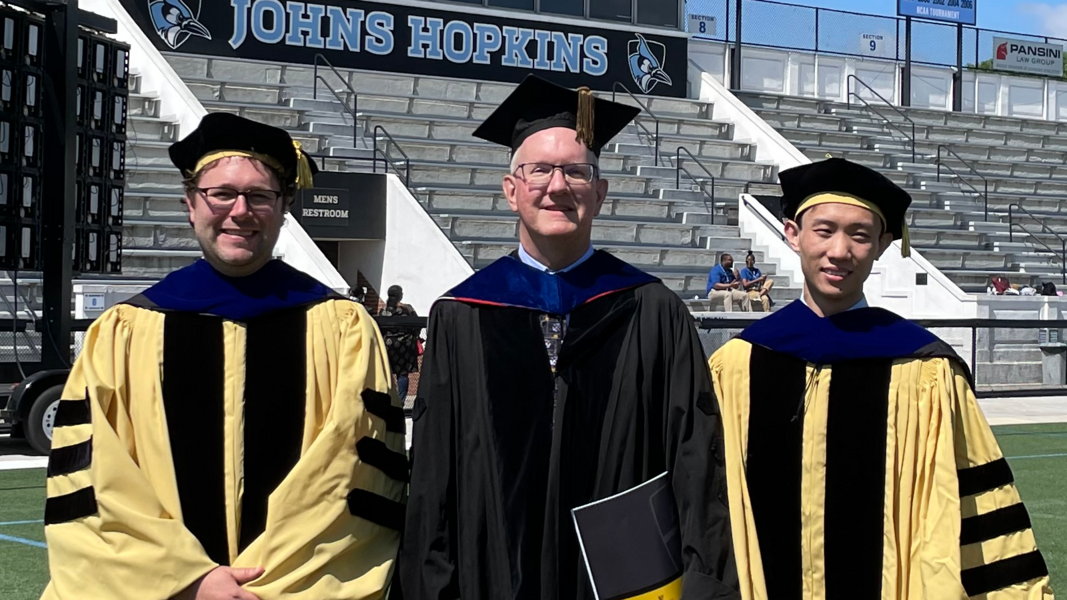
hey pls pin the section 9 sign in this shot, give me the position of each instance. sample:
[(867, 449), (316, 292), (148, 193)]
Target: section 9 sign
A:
[(951, 11), (881, 45)]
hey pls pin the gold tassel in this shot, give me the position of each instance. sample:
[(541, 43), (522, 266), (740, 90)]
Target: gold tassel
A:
[(905, 241), (304, 178), (584, 125)]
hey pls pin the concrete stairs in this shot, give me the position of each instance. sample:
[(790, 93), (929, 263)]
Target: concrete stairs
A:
[(157, 238), (967, 237), (653, 217), (1023, 161)]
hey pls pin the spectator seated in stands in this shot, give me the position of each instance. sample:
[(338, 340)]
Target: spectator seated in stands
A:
[(756, 284), (725, 284), (1000, 286)]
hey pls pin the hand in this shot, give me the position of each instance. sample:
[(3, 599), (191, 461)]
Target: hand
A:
[(736, 284), (222, 583)]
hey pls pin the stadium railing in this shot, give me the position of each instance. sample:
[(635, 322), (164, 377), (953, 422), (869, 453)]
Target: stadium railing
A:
[(976, 339), (773, 24)]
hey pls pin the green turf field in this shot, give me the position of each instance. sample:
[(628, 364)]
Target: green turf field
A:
[(1038, 456)]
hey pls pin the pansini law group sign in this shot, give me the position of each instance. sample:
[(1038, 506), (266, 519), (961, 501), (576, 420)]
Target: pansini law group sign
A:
[(1024, 56)]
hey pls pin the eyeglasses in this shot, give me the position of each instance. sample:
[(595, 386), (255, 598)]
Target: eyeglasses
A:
[(225, 197), (573, 173)]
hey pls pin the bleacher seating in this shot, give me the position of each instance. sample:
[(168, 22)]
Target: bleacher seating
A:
[(1024, 162), (647, 219)]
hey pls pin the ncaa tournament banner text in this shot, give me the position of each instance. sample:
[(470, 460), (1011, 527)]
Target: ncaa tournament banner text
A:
[(416, 40), (951, 11)]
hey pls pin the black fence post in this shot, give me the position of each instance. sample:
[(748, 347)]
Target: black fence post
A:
[(816, 45), (957, 77), (905, 82), (985, 203), (60, 46), (735, 66)]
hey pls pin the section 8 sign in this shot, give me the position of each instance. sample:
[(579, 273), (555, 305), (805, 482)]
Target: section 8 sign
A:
[(951, 11)]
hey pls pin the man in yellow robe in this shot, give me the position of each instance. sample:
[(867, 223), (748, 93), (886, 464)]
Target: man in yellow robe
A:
[(859, 464), (231, 432)]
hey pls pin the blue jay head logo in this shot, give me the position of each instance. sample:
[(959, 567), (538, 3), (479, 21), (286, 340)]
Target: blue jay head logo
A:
[(646, 63), (175, 22)]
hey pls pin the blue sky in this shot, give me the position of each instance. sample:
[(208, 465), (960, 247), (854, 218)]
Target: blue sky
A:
[(1047, 17)]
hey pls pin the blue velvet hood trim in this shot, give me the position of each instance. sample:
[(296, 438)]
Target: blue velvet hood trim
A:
[(509, 282), (864, 333), (201, 289)]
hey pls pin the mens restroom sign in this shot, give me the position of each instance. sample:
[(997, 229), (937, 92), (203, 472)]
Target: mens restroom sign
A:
[(324, 207)]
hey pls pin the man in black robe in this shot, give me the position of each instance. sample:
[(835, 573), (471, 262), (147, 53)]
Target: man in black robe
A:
[(554, 377)]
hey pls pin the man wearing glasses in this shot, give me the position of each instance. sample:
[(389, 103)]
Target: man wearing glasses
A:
[(555, 377), (231, 432)]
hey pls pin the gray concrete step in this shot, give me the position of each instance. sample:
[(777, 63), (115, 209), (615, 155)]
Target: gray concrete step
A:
[(746, 171), (274, 115), (151, 128), (605, 230), (647, 257)]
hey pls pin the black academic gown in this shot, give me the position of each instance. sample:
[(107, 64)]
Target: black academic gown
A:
[(504, 447)]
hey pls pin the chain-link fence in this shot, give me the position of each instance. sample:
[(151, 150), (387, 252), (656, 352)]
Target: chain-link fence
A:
[(774, 24)]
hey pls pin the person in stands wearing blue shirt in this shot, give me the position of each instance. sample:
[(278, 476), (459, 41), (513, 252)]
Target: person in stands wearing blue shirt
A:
[(724, 284), (755, 283)]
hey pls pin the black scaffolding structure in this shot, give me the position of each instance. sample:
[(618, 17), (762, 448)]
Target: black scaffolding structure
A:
[(64, 91)]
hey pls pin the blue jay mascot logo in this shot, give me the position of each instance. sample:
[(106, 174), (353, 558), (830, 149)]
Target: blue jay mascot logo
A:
[(645, 66), (175, 22)]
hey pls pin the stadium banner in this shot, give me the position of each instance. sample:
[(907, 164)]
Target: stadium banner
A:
[(343, 206), (1025, 56), (950, 11), (418, 40)]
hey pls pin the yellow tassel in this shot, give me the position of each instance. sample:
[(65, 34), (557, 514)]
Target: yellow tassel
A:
[(304, 178), (905, 241), (584, 125)]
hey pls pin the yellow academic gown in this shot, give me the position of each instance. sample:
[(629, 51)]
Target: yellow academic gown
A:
[(859, 465), (152, 484)]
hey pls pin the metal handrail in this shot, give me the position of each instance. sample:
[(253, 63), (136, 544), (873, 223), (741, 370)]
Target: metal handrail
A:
[(645, 108), (985, 194), (1044, 227), (848, 103), (679, 169), (373, 158), (766, 221), (385, 155), (352, 112), (30, 342)]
